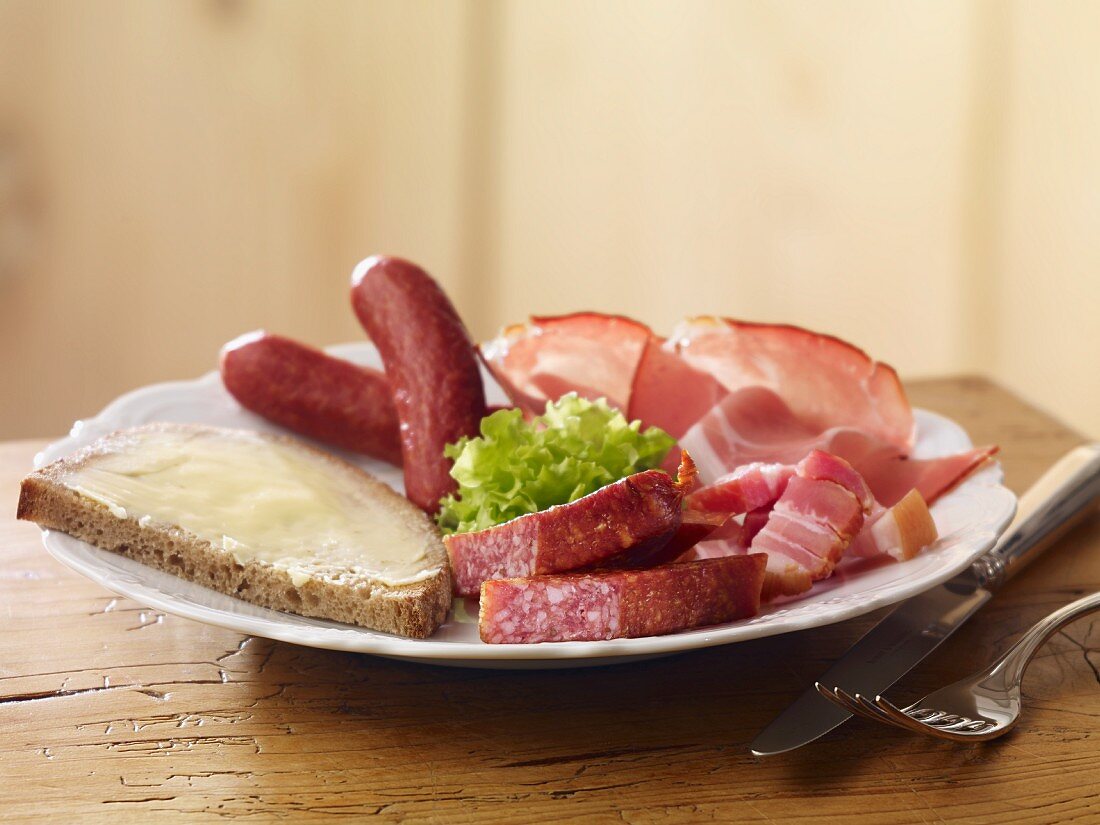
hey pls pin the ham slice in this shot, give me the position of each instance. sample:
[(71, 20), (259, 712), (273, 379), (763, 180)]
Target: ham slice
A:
[(824, 381), (668, 392), (750, 425), (733, 393), (749, 487), (592, 354), (891, 478), (900, 531), (756, 425)]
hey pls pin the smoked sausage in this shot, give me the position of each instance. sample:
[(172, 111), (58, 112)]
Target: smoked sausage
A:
[(431, 365), (312, 393)]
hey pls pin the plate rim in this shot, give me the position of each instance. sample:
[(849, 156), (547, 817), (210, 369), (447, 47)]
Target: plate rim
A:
[(335, 636)]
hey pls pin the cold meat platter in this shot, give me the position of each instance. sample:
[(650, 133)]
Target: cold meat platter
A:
[(968, 518)]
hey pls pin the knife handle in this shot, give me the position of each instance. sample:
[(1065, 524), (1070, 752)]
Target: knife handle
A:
[(1067, 493)]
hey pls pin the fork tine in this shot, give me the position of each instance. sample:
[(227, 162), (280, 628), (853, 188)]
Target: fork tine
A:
[(956, 732), (870, 708), (853, 704), (902, 719), (839, 697), (849, 701)]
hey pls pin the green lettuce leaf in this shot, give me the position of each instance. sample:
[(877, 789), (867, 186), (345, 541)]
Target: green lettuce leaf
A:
[(516, 467)]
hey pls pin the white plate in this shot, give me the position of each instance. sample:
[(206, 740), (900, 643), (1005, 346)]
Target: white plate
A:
[(969, 518)]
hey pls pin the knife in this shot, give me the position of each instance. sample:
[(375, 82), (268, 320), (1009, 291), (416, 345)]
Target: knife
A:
[(1065, 495)]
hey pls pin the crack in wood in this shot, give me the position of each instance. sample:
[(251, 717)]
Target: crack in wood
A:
[(137, 801), (591, 756), (55, 694)]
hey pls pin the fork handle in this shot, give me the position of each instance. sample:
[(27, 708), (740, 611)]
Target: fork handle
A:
[(1067, 493), (1010, 667)]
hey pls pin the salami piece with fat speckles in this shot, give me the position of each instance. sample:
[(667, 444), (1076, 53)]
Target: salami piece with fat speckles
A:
[(638, 514), (312, 393), (622, 603)]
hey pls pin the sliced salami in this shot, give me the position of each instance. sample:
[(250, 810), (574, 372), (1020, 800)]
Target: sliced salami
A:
[(639, 513), (623, 603)]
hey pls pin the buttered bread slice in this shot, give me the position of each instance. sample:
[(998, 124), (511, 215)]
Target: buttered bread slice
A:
[(264, 518)]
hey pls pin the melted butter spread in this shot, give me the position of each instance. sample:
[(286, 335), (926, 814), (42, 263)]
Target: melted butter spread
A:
[(258, 500)]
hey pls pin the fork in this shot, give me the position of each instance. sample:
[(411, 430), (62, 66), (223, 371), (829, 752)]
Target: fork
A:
[(979, 707)]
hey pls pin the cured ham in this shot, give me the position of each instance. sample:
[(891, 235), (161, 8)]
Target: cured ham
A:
[(808, 530), (750, 425), (891, 478), (749, 487), (821, 510), (822, 466), (589, 353), (824, 381), (900, 531), (756, 425), (668, 392), (803, 442)]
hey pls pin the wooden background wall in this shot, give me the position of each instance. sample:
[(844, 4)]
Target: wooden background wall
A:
[(922, 178)]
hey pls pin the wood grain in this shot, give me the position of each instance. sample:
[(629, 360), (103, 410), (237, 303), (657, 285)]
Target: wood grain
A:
[(112, 712)]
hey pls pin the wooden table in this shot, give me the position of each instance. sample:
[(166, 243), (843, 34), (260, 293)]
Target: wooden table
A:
[(110, 711)]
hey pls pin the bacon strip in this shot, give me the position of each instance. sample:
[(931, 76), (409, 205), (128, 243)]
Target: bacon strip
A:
[(821, 510), (823, 466), (807, 532)]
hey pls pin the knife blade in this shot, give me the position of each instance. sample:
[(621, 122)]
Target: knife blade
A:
[(1064, 495)]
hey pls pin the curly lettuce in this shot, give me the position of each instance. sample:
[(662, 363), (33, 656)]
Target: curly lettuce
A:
[(517, 467)]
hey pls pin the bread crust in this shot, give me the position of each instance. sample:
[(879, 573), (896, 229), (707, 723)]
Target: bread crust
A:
[(415, 610)]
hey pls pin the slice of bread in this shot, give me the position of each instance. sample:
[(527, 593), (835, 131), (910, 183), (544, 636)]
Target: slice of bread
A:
[(329, 588)]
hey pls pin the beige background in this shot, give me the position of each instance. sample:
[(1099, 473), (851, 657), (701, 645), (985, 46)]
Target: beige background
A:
[(922, 178)]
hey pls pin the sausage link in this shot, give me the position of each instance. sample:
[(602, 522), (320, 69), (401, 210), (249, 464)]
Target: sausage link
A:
[(431, 365), (313, 394)]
